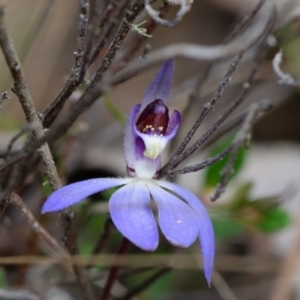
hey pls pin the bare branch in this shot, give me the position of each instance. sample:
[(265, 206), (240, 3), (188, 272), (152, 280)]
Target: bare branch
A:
[(78, 72), (115, 46), (285, 78), (185, 6), (11, 143), (176, 160), (199, 52), (21, 90), (35, 225), (242, 138), (114, 269), (153, 278), (3, 205), (209, 106)]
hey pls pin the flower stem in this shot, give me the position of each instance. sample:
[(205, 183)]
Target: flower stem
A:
[(113, 272)]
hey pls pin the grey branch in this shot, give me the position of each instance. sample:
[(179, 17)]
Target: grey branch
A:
[(185, 6), (285, 78)]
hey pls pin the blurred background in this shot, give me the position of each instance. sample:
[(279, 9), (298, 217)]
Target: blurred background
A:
[(257, 221)]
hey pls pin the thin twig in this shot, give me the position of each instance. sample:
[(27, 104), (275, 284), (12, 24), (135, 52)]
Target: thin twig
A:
[(244, 22), (108, 23), (35, 225), (209, 106), (21, 89), (265, 106), (200, 52), (138, 288), (11, 143), (115, 46), (222, 287), (113, 272), (70, 239), (127, 54), (285, 78), (77, 73), (108, 226), (185, 7), (227, 263), (204, 164), (240, 140), (3, 205), (89, 98), (175, 161)]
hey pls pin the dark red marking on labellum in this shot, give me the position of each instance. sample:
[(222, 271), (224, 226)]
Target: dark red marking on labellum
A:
[(154, 118)]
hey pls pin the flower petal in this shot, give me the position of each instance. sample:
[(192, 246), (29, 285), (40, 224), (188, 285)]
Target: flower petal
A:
[(206, 233), (75, 192), (130, 137), (131, 212), (173, 125), (160, 86), (177, 220)]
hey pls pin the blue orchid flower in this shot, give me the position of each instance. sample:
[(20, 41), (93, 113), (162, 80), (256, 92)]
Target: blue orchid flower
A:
[(181, 215)]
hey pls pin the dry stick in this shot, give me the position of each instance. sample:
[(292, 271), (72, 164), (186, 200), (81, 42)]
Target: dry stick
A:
[(222, 287), (200, 52), (239, 27), (107, 24), (240, 140), (204, 164), (157, 275), (135, 45), (54, 108), (227, 263), (285, 78), (179, 50), (70, 240), (113, 272), (200, 79), (244, 22), (263, 107), (155, 15), (3, 205), (14, 139), (108, 226), (241, 97), (77, 73), (135, 9), (179, 156), (35, 225), (20, 88), (209, 106)]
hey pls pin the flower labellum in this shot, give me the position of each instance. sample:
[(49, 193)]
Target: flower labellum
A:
[(181, 215)]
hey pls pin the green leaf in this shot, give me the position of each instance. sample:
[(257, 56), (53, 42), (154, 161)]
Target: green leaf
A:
[(240, 198), (46, 188), (2, 278), (274, 219), (226, 229), (212, 176)]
